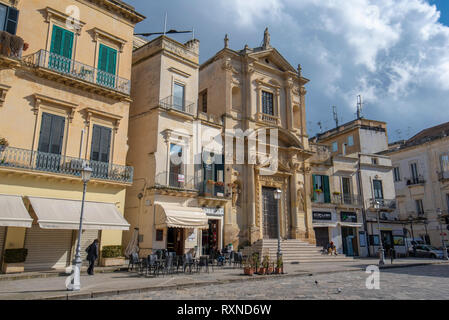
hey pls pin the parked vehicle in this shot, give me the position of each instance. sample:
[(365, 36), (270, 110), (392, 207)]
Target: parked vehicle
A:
[(410, 242), (427, 251)]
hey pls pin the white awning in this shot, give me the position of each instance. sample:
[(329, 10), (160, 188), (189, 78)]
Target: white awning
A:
[(351, 224), (13, 212), (324, 224), (65, 214), (175, 216)]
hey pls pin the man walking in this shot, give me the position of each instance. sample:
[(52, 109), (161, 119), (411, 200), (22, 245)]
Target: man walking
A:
[(92, 255)]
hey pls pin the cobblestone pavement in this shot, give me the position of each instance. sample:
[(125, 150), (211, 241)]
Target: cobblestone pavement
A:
[(419, 282)]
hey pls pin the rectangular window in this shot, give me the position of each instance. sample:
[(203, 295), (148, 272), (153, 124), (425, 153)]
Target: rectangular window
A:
[(9, 18), (267, 103), (444, 159), (334, 146), (101, 144), (204, 101), (159, 235), (51, 133), (350, 141), (414, 172), (374, 161), (321, 189), (377, 188), (107, 64), (346, 184), (419, 207), (178, 96), (176, 174), (61, 49), (397, 174)]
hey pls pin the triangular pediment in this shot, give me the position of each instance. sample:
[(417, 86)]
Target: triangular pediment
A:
[(272, 58)]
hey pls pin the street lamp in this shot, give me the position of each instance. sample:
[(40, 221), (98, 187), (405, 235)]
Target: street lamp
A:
[(86, 173), (381, 249), (440, 215), (277, 196)]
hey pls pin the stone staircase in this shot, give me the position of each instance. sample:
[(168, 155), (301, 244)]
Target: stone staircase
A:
[(293, 251)]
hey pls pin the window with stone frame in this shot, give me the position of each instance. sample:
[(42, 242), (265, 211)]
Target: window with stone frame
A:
[(267, 103)]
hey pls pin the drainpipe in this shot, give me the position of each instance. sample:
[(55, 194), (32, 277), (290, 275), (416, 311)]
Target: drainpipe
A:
[(361, 194)]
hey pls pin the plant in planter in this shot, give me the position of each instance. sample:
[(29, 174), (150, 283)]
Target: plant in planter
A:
[(210, 182), (318, 191), (336, 193), (112, 256), (248, 267), (255, 261), (219, 183), (13, 260), (279, 266), (3, 144), (265, 265)]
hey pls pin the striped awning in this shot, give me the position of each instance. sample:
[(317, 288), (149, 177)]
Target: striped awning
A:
[(65, 214), (13, 212), (176, 216)]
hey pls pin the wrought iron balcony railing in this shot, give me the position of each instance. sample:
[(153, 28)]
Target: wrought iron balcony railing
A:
[(212, 189), (48, 162), (178, 104), (347, 199), (415, 181), (78, 70), (383, 204), (175, 180)]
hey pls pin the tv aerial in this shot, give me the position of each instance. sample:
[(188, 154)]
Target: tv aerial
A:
[(171, 31)]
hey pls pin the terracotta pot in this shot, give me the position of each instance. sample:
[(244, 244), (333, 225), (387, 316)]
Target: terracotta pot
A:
[(277, 270), (270, 271), (262, 270), (248, 271)]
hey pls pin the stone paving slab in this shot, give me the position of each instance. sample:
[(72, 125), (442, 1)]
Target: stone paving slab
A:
[(119, 283)]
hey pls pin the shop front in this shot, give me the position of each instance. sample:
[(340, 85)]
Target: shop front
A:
[(178, 228), (323, 225), (349, 228), (212, 237)]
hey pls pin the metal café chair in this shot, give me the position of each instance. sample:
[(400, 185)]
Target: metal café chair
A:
[(152, 264), (238, 259), (203, 262), (168, 266), (188, 262), (134, 261)]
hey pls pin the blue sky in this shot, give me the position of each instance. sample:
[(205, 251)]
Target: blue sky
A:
[(394, 53)]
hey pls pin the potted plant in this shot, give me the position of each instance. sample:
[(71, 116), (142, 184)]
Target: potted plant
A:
[(265, 265), (112, 256), (271, 268), (219, 183), (319, 191), (255, 262), (3, 144), (279, 266), (13, 260), (336, 193), (210, 181), (248, 267)]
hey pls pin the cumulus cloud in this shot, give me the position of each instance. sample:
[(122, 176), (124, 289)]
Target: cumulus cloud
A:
[(393, 52)]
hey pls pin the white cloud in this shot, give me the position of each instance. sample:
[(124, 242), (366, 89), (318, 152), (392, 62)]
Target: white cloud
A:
[(394, 52)]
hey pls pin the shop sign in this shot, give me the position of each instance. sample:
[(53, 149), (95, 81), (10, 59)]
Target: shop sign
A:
[(216, 212), (317, 215), (348, 216)]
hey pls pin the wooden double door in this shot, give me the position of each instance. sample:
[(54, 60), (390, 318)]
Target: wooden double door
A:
[(270, 209)]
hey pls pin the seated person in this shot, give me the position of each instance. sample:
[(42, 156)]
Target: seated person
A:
[(332, 248)]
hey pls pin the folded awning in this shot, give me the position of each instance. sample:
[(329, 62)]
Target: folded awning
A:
[(351, 224), (65, 214), (174, 216), (13, 212), (324, 224)]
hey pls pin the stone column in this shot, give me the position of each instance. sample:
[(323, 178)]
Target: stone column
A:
[(251, 204), (295, 209), (309, 232), (289, 105)]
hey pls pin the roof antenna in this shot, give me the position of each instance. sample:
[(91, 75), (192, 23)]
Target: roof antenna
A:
[(165, 23), (321, 126), (334, 111), (359, 107)]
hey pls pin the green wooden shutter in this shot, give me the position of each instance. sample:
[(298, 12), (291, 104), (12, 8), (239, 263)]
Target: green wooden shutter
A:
[(313, 187), (327, 193), (103, 58), (67, 45), (105, 144), (95, 147), (112, 61), (56, 40), (44, 135), (57, 134)]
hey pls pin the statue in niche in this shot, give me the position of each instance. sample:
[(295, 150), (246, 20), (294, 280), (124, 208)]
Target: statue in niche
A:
[(266, 39), (300, 197)]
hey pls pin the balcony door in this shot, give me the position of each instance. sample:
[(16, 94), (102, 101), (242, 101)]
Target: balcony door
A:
[(378, 192), (176, 174), (101, 144), (178, 96), (61, 50), (346, 184), (414, 172), (107, 64), (50, 142)]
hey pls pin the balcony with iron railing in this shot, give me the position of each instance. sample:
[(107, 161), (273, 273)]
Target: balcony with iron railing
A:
[(173, 103), (268, 118), (382, 204), (37, 161), (77, 70), (347, 199), (415, 181), (174, 180), (211, 189)]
